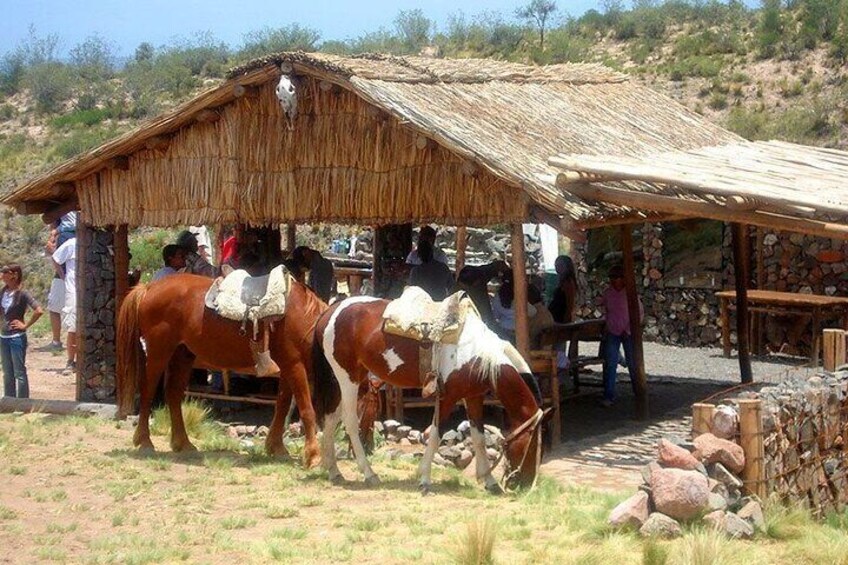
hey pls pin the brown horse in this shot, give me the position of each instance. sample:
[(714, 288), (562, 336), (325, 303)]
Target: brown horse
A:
[(179, 330), (350, 343)]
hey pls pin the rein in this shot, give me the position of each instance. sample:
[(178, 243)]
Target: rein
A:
[(531, 423)]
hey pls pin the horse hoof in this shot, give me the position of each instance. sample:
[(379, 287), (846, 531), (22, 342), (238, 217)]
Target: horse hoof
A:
[(146, 449), (312, 460), (187, 447), (494, 488), (277, 451), (372, 481), (426, 489)]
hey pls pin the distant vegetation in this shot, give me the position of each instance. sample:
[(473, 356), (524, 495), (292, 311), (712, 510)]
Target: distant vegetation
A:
[(775, 71)]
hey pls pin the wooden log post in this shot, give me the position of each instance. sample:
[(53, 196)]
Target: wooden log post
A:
[(741, 270), (519, 301), (702, 418), (121, 248), (461, 244), (834, 349), (751, 440), (291, 237), (640, 385)]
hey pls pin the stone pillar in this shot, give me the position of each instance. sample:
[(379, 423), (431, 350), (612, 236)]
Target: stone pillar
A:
[(96, 314)]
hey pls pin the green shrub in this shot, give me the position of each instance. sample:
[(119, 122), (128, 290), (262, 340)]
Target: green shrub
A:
[(717, 101), (7, 112), (50, 84), (80, 118), (146, 249), (274, 40), (79, 141)]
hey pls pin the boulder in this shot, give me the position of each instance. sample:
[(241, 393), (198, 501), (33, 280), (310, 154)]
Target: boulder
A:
[(716, 501), (464, 459), (720, 473), (391, 426), (670, 455), (679, 494), (725, 422), (716, 450), (648, 470), (715, 519), (632, 512), (737, 528), (752, 513), (403, 431), (660, 526)]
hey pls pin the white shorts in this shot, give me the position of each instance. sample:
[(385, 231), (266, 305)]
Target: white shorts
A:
[(56, 296), (69, 316)]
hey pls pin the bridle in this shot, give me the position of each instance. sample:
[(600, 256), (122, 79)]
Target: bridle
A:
[(533, 425)]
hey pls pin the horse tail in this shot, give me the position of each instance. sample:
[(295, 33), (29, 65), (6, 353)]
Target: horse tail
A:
[(130, 362), (326, 393)]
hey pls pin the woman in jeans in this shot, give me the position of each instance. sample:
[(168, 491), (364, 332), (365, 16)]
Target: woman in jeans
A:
[(14, 302)]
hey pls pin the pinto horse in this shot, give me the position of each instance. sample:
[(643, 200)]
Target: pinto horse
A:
[(350, 343), (179, 330)]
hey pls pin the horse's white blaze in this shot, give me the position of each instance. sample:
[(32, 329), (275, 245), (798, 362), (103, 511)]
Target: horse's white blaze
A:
[(479, 346), (393, 360)]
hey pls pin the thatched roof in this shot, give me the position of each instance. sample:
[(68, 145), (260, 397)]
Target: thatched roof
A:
[(767, 183), (494, 124)]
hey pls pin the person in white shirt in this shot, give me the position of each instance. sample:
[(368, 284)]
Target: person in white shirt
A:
[(66, 256), (427, 233)]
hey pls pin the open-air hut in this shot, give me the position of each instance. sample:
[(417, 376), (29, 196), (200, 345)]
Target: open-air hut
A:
[(376, 140)]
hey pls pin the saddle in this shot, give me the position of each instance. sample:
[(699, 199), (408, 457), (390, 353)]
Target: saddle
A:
[(417, 316), (243, 298)]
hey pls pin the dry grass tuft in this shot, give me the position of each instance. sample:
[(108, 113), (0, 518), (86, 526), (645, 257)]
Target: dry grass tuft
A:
[(475, 547)]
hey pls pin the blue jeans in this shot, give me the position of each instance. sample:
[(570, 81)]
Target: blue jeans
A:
[(612, 348), (13, 357)]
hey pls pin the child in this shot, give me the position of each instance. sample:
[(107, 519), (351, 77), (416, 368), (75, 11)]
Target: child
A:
[(14, 302), (614, 301), (174, 258)]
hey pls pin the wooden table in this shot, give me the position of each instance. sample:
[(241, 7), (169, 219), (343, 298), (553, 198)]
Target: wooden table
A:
[(814, 306)]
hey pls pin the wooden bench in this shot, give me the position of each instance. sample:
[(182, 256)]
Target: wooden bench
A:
[(592, 331)]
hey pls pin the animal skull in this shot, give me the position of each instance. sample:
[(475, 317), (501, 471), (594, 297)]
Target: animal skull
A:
[(287, 96)]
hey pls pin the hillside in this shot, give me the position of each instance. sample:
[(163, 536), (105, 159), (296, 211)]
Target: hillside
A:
[(775, 72)]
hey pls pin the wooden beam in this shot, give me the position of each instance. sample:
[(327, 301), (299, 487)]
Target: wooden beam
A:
[(741, 277), (519, 301), (291, 237), (121, 163), (207, 116), (241, 91), (376, 114), (62, 189), (470, 169), (640, 385), (327, 86), (56, 211), (286, 67), (695, 209), (423, 142), (461, 245)]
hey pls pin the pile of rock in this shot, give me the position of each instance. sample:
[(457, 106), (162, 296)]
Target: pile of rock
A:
[(455, 447), (691, 481)]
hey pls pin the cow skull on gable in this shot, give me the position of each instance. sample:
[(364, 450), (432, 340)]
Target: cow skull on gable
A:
[(287, 95)]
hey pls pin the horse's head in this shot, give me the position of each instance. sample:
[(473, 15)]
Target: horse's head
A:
[(287, 95), (523, 451)]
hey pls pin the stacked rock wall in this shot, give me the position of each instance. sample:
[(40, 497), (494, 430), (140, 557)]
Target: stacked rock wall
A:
[(96, 313), (690, 316), (804, 425)]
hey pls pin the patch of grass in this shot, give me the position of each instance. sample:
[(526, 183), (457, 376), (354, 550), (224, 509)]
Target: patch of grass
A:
[(477, 544), (54, 528), (15, 470), (199, 425), (52, 553), (278, 512), (654, 553), (366, 524), (704, 547), (309, 501), (237, 522), (7, 513), (85, 118), (289, 533)]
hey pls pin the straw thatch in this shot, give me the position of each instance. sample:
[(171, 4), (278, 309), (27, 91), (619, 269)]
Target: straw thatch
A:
[(378, 139), (773, 184)]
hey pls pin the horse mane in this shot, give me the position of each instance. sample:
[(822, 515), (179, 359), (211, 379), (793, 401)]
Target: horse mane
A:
[(486, 351)]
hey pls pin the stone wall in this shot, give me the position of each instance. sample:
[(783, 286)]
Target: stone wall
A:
[(690, 316), (96, 313)]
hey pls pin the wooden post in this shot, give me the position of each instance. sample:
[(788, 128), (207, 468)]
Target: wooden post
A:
[(640, 385), (815, 344), (121, 247), (759, 321), (461, 243), (291, 237), (519, 301), (740, 269), (834, 349), (751, 439), (725, 326), (702, 418)]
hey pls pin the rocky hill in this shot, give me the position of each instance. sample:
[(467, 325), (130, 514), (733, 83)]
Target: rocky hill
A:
[(777, 72)]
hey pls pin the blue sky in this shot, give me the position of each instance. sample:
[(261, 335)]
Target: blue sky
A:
[(129, 22)]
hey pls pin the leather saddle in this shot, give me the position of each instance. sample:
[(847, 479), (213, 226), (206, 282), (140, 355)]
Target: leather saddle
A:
[(417, 316), (243, 298)]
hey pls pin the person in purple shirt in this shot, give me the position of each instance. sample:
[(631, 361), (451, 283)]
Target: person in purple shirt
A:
[(614, 301)]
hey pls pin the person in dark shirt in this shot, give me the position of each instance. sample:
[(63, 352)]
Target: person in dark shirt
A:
[(14, 302), (194, 263), (564, 298), (431, 275), (322, 278)]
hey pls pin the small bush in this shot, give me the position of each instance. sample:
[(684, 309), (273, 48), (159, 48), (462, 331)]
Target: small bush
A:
[(476, 546), (7, 112), (717, 101), (80, 118), (50, 85)]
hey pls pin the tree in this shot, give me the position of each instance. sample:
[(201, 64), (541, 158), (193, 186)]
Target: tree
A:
[(414, 29), (275, 40), (144, 52), (538, 12), (94, 59)]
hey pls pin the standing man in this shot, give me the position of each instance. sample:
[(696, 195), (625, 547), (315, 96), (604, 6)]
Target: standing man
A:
[(65, 263), (428, 234), (56, 296), (322, 279)]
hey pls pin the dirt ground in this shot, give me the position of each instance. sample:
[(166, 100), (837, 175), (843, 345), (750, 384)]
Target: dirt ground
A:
[(48, 378)]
